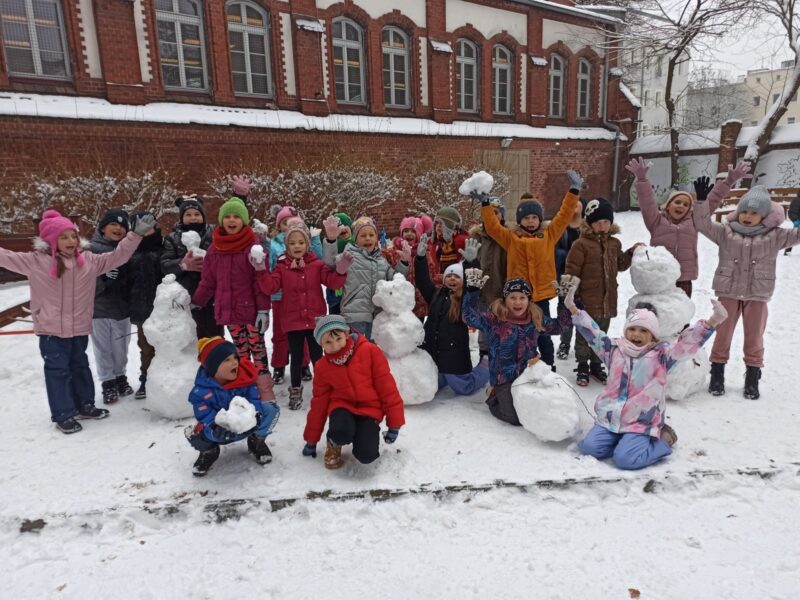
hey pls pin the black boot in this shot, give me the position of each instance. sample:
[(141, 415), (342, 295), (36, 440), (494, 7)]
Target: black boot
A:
[(141, 393), (597, 371), (110, 393), (123, 387), (751, 378), (582, 379), (563, 351), (258, 448), (204, 461), (92, 412), (306, 374), (69, 426), (716, 386), (278, 375)]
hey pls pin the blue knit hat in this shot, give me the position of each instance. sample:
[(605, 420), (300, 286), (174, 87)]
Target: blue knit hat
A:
[(212, 352), (329, 323), (529, 207), (518, 284)]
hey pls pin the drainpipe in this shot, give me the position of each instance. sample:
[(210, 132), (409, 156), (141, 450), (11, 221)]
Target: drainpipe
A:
[(611, 126)]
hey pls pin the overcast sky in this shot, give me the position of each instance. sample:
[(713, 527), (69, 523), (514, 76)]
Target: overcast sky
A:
[(764, 46)]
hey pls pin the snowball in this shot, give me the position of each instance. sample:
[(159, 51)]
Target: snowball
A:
[(688, 376), (546, 404), (191, 239), (257, 253), (239, 417), (416, 376), (673, 308), (654, 269), (480, 182)]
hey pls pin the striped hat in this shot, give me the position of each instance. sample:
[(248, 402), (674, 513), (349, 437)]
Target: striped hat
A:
[(329, 323), (212, 351)]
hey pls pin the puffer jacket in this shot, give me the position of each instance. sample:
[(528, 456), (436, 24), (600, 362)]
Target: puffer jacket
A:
[(493, 261), (597, 259), (277, 248), (633, 400), (64, 307), (112, 295), (173, 251), (144, 273), (746, 268), (363, 385), (679, 238)]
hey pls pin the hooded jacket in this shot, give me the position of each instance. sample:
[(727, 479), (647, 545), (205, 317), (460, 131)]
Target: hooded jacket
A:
[(277, 248), (173, 251)]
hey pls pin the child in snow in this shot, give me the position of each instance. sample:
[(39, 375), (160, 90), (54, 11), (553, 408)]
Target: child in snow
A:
[(63, 280), (630, 427), (564, 245), (531, 248), (596, 258), (448, 238), (223, 376), (354, 391), (411, 233), (794, 217), (334, 297), (749, 242), (513, 325), (230, 279), (300, 275)]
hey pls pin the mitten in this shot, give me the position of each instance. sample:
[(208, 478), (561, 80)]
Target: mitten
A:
[(718, 312), (391, 435), (314, 232), (191, 262), (262, 321), (405, 252), (702, 185), (310, 450), (241, 185), (470, 251), (145, 225), (639, 168), (737, 173), (575, 180), (572, 282), (422, 246), (331, 226), (475, 278), (343, 262)]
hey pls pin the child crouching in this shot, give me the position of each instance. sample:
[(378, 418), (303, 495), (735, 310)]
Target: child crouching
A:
[(221, 377)]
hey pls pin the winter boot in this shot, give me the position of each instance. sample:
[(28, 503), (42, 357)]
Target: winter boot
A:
[(597, 371), (751, 378), (259, 449), (265, 387), (295, 397), (582, 378), (716, 387), (123, 387), (204, 461), (92, 412), (306, 374), (563, 351), (70, 426), (333, 456), (787, 252), (110, 393), (278, 375), (668, 435), (141, 393)]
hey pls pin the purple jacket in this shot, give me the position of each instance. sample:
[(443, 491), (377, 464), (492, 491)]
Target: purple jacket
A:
[(230, 280), (634, 399), (679, 238), (64, 307)]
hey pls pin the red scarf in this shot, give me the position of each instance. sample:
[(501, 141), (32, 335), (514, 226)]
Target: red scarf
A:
[(342, 356), (238, 242), (246, 376)]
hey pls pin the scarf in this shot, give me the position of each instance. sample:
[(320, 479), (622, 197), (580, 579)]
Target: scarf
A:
[(246, 376), (745, 230), (238, 242), (341, 357), (523, 321), (631, 350)]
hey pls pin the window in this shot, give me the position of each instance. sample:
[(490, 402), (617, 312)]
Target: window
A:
[(248, 38), (756, 100), (657, 99), (396, 49), (775, 98), (181, 45), (790, 120), (501, 80), (584, 89), (647, 97), (34, 39), (556, 86), (467, 76), (659, 68), (348, 62)]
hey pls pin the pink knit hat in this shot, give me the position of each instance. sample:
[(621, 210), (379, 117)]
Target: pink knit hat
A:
[(641, 317), (52, 225), (285, 213), (412, 223)]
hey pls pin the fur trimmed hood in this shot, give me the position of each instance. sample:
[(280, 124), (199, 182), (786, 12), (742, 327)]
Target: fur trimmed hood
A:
[(586, 230), (39, 245)]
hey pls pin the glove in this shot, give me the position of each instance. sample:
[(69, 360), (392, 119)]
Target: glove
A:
[(191, 262), (343, 262), (391, 436), (470, 251), (262, 321), (575, 180), (422, 246), (112, 274), (332, 226), (480, 197), (145, 225), (405, 252), (572, 283), (241, 185), (310, 450), (639, 168), (476, 278), (314, 232), (718, 312), (702, 185), (738, 173)]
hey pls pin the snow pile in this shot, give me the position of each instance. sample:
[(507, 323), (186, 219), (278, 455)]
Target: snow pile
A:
[(399, 332), (239, 417), (257, 253), (480, 182), (191, 239)]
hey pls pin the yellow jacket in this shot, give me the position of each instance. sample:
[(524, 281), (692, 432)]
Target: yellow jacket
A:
[(533, 256)]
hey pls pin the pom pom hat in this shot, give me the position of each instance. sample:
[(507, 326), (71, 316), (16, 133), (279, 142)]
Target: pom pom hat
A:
[(212, 352), (284, 213), (234, 206), (412, 223), (362, 222), (52, 225)]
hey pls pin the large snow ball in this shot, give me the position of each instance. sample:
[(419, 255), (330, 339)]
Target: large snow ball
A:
[(688, 376), (674, 310), (654, 269), (239, 417), (416, 376), (546, 404), (481, 182)]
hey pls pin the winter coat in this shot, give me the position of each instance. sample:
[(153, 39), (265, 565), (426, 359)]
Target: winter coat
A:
[(746, 268), (144, 272), (596, 259), (393, 257), (364, 386), (64, 307), (112, 295), (511, 345), (633, 400), (446, 342), (794, 211), (446, 253), (173, 251), (532, 256), (494, 263), (679, 238), (277, 248)]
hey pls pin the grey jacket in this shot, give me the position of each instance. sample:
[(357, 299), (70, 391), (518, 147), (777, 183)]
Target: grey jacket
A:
[(111, 296)]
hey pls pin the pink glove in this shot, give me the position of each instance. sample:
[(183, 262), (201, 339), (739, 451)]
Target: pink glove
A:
[(331, 225), (737, 174), (405, 252), (241, 185), (191, 262), (343, 262), (639, 168), (718, 313)]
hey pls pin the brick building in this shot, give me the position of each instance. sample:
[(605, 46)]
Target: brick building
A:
[(525, 86)]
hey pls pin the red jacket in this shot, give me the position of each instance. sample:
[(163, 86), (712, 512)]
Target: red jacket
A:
[(301, 289), (364, 386)]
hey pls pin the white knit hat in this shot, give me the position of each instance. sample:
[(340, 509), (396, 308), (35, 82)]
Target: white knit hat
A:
[(456, 269)]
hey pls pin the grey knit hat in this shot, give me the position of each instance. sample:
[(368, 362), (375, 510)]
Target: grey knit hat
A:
[(329, 323), (757, 200)]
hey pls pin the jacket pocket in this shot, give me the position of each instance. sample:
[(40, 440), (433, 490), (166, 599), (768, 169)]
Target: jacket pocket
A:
[(763, 283), (723, 280)]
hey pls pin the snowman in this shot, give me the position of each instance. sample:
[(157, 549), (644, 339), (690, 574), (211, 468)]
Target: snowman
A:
[(654, 272), (399, 332), (172, 332)]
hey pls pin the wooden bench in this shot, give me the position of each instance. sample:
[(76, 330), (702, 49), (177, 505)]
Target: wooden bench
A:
[(781, 195)]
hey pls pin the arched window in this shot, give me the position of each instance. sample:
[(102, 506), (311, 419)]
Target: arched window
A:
[(467, 83), (348, 62), (501, 80), (34, 40), (396, 48), (584, 89), (556, 86), (248, 35), (181, 45)]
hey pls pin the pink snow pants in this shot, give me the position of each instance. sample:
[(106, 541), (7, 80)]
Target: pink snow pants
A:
[(754, 318)]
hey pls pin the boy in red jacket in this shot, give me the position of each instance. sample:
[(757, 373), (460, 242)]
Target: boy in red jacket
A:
[(354, 390)]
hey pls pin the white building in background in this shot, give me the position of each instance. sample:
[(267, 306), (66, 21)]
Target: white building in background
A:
[(646, 77), (764, 88)]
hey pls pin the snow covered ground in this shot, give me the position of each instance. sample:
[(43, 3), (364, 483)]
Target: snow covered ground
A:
[(462, 506)]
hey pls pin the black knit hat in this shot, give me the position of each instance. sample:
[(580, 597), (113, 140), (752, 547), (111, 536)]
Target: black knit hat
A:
[(598, 210), (517, 284), (184, 203), (114, 215), (529, 207)]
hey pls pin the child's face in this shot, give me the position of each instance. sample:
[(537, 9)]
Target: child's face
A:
[(530, 222), (296, 246), (437, 228), (410, 236), (192, 216), (333, 341), (228, 369), (113, 231), (639, 336), (284, 226), (367, 238), (678, 208), (517, 304), (232, 224), (453, 282), (749, 218), (345, 233), (67, 242), (601, 227)]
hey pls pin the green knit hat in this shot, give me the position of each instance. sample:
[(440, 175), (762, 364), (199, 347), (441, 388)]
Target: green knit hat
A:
[(344, 219), (234, 206)]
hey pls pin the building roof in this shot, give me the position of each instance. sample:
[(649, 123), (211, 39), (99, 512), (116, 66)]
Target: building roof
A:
[(573, 10)]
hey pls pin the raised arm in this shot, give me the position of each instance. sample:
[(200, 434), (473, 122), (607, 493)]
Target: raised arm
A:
[(564, 215), (103, 263), (19, 262), (422, 278), (492, 226)]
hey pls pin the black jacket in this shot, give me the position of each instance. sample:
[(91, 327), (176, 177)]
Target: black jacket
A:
[(794, 210), (144, 275), (173, 251), (563, 246), (446, 342), (111, 295)]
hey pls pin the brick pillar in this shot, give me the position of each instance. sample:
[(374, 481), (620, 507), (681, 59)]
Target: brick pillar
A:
[(537, 75), (440, 65), (119, 52), (3, 71), (308, 58), (374, 70), (729, 132), (218, 52)]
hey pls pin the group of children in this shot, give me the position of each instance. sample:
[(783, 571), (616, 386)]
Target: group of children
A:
[(497, 279)]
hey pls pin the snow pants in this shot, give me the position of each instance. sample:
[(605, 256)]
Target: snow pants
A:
[(363, 432), (250, 344), (546, 349), (301, 342), (199, 440), (583, 353), (280, 341), (501, 404), (67, 376), (467, 384), (754, 319), (629, 451), (362, 327), (110, 341), (146, 352)]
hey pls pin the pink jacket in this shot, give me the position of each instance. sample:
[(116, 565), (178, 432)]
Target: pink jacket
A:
[(64, 307), (633, 400), (679, 238)]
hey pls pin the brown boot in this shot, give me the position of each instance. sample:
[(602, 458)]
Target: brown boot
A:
[(295, 398), (668, 435), (333, 457)]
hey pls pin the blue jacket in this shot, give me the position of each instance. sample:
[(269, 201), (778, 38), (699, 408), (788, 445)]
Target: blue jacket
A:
[(277, 248)]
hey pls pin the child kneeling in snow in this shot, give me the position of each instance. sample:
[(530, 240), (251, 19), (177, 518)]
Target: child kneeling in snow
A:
[(630, 427), (354, 390), (222, 377)]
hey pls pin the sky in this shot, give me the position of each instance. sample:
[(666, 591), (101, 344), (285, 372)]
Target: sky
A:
[(762, 47)]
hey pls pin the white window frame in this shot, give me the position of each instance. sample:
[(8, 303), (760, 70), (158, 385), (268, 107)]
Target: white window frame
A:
[(584, 81), (497, 68), (557, 73), (392, 52), (348, 47), (177, 18), (34, 44), (462, 63), (248, 30)]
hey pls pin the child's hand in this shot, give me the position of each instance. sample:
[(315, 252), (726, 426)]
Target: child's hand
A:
[(575, 180), (257, 257), (112, 274), (391, 435), (737, 174), (702, 185), (310, 450), (191, 262), (422, 245), (405, 252), (241, 185), (145, 225), (718, 313), (262, 321), (314, 232), (343, 262), (470, 251), (476, 278), (639, 168), (332, 227)]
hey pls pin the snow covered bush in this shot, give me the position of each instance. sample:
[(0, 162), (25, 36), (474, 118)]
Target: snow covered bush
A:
[(439, 187)]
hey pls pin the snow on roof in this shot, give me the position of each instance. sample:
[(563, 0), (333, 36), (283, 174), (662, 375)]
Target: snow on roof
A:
[(539, 61), (571, 10), (709, 139), (71, 107), (729, 121), (442, 46), (629, 95), (784, 134), (310, 25)]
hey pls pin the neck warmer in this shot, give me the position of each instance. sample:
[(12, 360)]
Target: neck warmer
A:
[(199, 228), (238, 242), (522, 321), (631, 350), (745, 230), (341, 357), (246, 376)]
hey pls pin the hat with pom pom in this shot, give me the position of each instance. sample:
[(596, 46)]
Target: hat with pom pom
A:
[(234, 206), (52, 225)]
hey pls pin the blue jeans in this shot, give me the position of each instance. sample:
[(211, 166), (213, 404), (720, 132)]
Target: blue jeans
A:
[(629, 451), (545, 342), (67, 376), (362, 327), (269, 417), (467, 384)]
